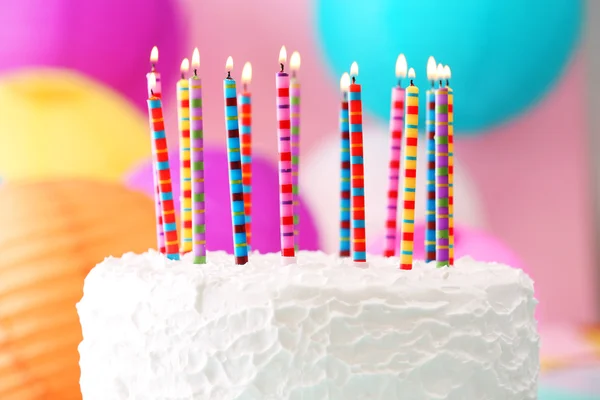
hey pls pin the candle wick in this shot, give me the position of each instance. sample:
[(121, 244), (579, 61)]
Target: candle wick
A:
[(412, 83), (152, 92), (399, 82), (433, 84), (228, 74), (353, 79), (441, 84), (182, 75), (245, 87), (195, 72), (282, 67), (153, 67), (447, 82)]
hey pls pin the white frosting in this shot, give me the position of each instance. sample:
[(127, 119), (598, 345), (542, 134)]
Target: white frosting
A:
[(323, 329)]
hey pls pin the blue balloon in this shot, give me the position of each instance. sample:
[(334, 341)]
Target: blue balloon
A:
[(504, 54)]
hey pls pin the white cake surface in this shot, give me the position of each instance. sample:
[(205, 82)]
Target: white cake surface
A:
[(319, 329)]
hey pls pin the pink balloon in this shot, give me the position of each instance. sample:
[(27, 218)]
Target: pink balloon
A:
[(265, 201), (109, 40)]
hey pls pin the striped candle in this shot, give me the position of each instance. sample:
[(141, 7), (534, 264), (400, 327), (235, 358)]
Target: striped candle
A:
[(197, 164), (441, 176), (430, 204), (286, 198), (357, 182), (154, 89), (240, 243), (450, 169), (245, 110), (185, 198), (295, 142), (345, 170), (410, 174), (163, 176)]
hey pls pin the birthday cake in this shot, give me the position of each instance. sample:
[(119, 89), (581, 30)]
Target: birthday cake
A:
[(323, 328)]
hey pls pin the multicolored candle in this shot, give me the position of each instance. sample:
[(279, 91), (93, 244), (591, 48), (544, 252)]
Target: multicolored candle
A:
[(295, 131), (240, 242), (441, 174), (163, 176), (430, 132), (357, 183), (245, 110), (345, 169), (153, 78), (396, 126), (197, 164), (410, 173), (448, 76), (185, 197), (286, 198)]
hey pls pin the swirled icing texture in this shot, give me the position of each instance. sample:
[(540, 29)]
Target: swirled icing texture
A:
[(323, 329)]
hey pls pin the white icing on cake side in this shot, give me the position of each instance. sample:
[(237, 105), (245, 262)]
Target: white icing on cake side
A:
[(158, 329)]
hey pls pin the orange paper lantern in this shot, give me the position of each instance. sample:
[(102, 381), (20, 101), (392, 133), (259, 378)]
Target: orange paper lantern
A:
[(51, 235)]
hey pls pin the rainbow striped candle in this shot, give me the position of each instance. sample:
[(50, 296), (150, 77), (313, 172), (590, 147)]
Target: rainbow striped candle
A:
[(448, 75), (161, 153), (286, 198), (185, 198), (245, 110), (441, 176), (396, 122), (357, 183), (154, 90), (345, 170), (430, 132), (295, 143), (410, 174), (197, 164), (240, 242)]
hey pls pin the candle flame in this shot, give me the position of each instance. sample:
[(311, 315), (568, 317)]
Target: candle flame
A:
[(345, 82), (401, 66), (282, 55), (354, 69), (229, 64), (247, 72), (185, 66), (196, 59), (154, 55), (440, 71), (447, 72), (151, 81), (295, 61), (411, 73), (431, 69)]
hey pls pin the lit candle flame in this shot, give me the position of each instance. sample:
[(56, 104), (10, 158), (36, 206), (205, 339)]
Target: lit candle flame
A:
[(229, 64), (440, 71), (154, 55), (195, 60), (345, 82), (431, 69), (247, 73), (411, 73), (185, 67), (354, 69), (295, 61), (401, 66), (282, 55), (447, 72)]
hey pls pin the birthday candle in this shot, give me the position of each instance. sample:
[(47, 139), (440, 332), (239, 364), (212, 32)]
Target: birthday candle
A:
[(430, 131), (345, 170), (359, 245), (396, 122), (441, 173), (448, 76), (286, 198), (163, 176), (240, 243), (295, 131), (245, 110), (410, 173), (153, 78), (197, 164), (185, 198)]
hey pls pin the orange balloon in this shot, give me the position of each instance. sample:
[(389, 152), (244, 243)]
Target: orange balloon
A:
[(51, 235)]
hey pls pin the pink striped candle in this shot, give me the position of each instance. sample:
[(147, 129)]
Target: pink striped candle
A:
[(286, 197)]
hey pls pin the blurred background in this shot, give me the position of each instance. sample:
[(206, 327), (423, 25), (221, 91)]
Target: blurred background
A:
[(75, 151)]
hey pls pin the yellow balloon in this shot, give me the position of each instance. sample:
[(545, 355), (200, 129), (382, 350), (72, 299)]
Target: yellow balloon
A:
[(52, 234), (58, 123)]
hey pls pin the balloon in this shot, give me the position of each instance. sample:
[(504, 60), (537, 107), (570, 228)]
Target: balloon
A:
[(320, 177), (57, 123), (53, 233), (504, 55), (265, 201), (109, 40)]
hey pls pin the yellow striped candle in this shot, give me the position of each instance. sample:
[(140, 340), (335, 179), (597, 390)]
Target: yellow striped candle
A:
[(185, 197)]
